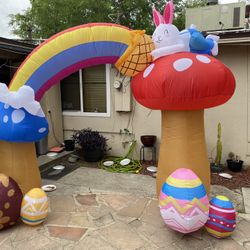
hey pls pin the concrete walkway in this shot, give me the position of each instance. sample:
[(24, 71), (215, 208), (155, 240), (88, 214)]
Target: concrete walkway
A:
[(94, 209)]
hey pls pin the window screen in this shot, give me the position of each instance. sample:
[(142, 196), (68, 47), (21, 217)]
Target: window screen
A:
[(94, 89)]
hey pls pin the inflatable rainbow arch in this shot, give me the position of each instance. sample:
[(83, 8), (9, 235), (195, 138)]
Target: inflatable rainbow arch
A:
[(83, 46)]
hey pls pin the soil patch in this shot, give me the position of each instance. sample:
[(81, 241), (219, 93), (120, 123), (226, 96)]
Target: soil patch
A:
[(239, 180)]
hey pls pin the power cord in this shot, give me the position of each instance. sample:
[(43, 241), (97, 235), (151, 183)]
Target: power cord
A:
[(53, 130)]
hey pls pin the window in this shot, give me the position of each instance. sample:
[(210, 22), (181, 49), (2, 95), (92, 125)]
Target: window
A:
[(87, 92)]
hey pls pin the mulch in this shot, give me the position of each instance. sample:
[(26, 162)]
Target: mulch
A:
[(144, 170), (239, 179)]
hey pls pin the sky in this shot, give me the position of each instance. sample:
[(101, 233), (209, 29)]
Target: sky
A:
[(231, 1), (10, 7), (17, 6)]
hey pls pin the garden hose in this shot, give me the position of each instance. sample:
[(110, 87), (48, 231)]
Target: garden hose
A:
[(134, 166)]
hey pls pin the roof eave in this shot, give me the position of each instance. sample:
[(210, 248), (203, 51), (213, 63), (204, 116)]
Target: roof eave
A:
[(235, 41)]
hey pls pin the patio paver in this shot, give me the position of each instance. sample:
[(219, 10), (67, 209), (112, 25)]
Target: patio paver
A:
[(68, 233), (235, 197), (246, 198), (111, 216)]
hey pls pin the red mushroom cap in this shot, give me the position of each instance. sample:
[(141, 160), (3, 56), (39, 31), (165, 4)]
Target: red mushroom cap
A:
[(184, 81)]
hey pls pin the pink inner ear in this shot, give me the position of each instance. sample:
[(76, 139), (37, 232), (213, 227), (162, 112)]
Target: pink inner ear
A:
[(169, 12), (158, 18)]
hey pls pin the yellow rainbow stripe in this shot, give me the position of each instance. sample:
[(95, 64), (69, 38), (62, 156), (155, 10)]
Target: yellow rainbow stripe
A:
[(183, 183), (195, 201), (67, 39)]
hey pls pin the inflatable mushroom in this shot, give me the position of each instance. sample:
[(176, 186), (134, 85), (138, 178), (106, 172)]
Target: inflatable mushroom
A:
[(22, 122), (182, 85)]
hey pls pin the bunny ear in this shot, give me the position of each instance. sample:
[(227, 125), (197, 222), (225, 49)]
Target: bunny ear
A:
[(158, 18), (169, 12)]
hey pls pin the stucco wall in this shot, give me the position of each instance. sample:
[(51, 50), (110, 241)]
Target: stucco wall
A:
[(139, 121), (232, 115), (51, 104)]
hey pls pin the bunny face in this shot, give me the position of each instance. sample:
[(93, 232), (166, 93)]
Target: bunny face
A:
[(165, 35)]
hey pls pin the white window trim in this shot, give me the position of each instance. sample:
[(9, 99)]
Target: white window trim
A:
[(93, 114)]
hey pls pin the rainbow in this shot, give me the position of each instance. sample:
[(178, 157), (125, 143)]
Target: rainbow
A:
[(75, 48)]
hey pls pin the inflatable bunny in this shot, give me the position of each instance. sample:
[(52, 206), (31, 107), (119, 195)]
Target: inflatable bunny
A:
[(166, 36), (168, 40)]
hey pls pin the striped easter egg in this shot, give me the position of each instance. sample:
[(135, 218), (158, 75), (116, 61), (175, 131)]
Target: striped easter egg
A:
[(183, 201), (222, 217), (34, 208)]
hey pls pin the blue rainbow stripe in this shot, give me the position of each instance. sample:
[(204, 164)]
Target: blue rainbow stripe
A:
[(72, 56), (184, 193), (220, 226)]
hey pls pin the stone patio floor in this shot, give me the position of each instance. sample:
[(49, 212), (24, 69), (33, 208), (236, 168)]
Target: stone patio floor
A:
[(94, 209)]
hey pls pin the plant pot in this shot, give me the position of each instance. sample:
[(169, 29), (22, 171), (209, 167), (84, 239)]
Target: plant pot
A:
[(93, 155), (69, 145), (148, 140), (216, 168), (234, 166)]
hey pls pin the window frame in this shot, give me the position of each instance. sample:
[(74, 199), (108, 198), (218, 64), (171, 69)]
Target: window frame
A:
[(108, 95)]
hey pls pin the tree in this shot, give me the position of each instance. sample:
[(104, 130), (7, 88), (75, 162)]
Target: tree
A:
[(48, 17), (135, 14)]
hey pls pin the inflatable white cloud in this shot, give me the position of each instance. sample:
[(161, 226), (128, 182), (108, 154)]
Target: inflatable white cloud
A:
[(23, 98)]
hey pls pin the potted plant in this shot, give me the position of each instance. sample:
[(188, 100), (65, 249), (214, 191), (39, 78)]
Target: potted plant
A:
[(234, 163), (93, 144), (216, 166)]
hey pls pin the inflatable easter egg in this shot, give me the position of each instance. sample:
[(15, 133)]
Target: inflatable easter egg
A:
[(10, 201), (222, 217), (34, 209), (183, 201)]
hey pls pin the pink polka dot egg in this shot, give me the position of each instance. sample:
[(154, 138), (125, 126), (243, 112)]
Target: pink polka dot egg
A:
[(222, 217)]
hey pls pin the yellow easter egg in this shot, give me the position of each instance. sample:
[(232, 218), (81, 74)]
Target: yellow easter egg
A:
[(34, 208)]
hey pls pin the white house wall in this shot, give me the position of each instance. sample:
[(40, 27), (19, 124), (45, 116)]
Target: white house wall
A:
[(140, 121), (233, 116), (51, 104)]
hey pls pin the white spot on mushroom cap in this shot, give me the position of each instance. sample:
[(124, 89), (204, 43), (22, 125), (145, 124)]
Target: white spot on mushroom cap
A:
[(17, 116), (148, 70), (182, 64), (6, 106), (41, 130), (5, 119), (203, 59)]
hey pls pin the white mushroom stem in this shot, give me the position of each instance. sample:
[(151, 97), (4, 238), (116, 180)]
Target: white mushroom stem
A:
[(183, 146), (18, 160)]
